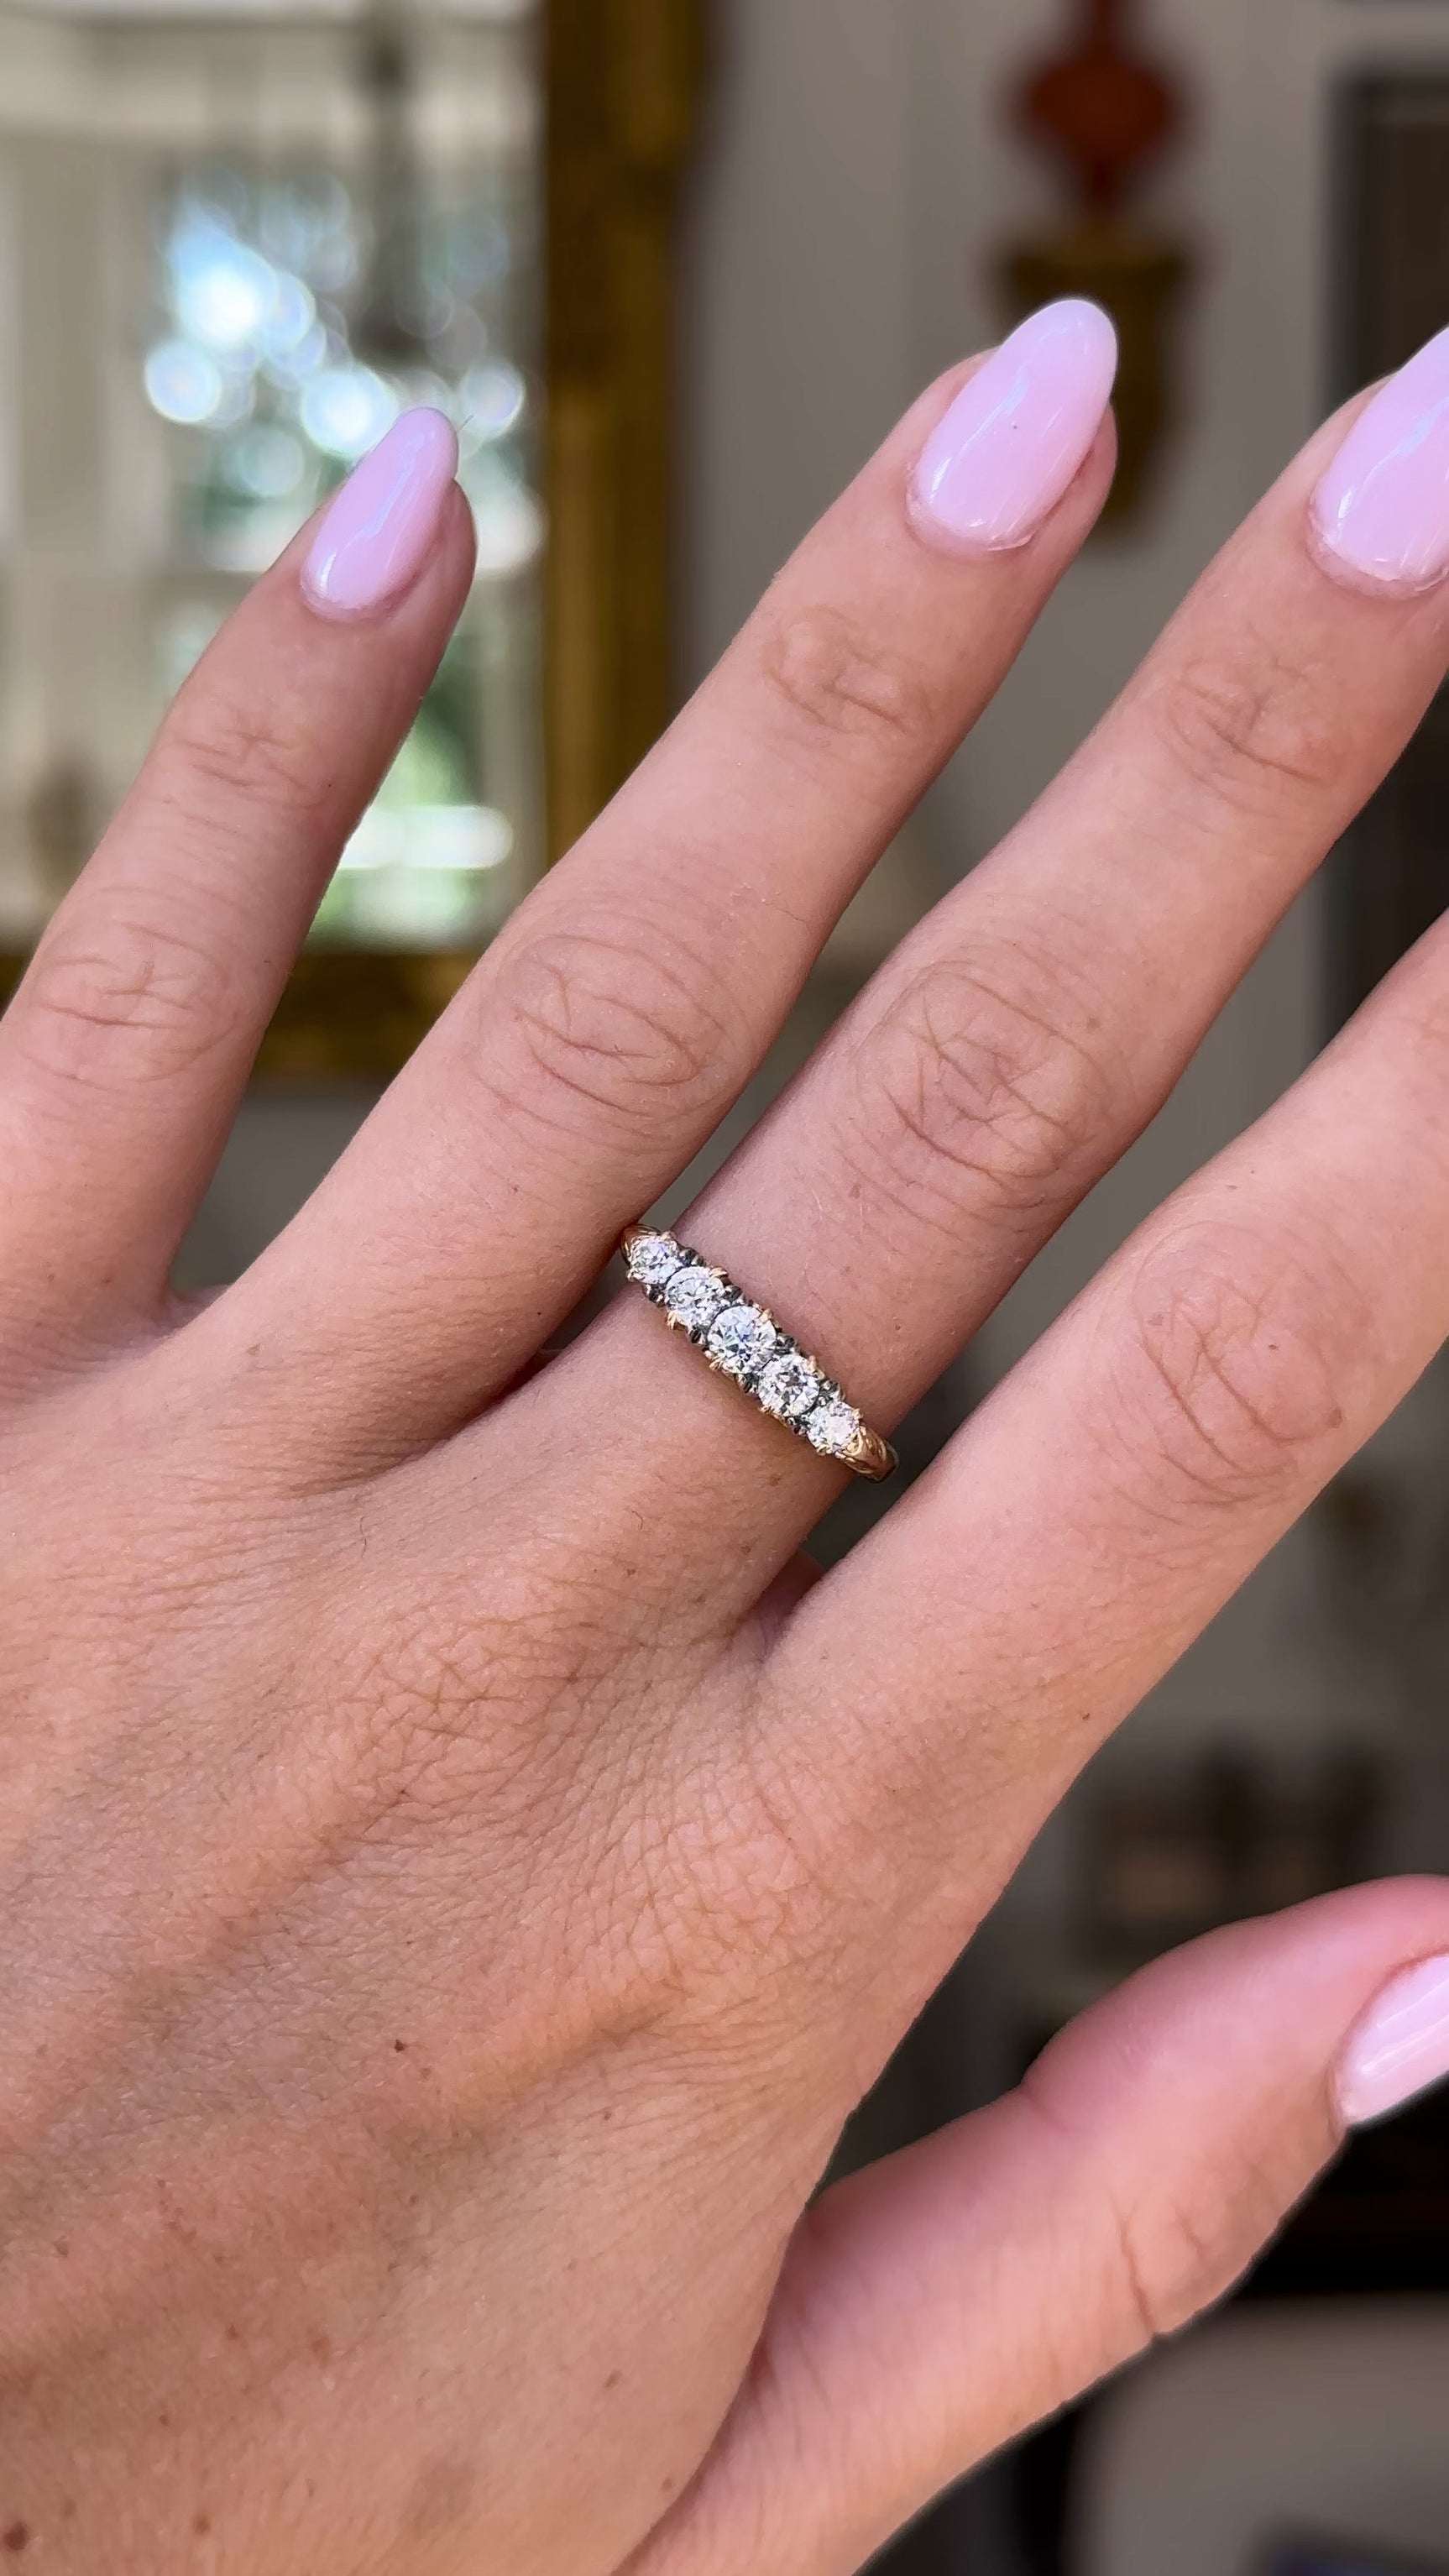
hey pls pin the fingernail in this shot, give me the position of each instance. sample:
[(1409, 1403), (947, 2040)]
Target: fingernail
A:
[(384, 519), (1021, 431), (1400, 2048), (1381, 512)]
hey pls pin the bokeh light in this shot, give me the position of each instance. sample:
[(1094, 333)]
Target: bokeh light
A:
[(492, 398), (223, 292), (345, 410), (267, 462), (183, 383)]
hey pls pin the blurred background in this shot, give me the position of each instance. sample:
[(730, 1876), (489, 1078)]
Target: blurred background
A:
[(674, 271)]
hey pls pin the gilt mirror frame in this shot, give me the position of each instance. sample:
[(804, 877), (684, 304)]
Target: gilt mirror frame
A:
[(620, 83)]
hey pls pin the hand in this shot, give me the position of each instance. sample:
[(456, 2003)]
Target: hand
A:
[(459, 1868)]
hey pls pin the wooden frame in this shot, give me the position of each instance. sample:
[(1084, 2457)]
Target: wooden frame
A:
[(622, 81)]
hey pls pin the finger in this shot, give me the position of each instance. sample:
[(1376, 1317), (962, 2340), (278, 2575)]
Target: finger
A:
[(1119, 1486), (128, 1043), (934, 2307), (1023, 1037), (625, 1007)]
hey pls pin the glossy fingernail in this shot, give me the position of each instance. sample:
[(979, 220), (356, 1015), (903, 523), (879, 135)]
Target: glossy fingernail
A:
[(379, 528), (1381, 512), (1400, 2048), (1021, 431)]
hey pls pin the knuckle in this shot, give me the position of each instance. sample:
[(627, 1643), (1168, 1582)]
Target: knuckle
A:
[(239, 751), (764, 1875), (1179, 2251), (460, 1705), (1170, 2243), (830, 684), (129, 998), (1238, 1346), (974, 1082), (1251, 728), (755, 1882), (1173, 2261), (712, 1883), (615, 1016)]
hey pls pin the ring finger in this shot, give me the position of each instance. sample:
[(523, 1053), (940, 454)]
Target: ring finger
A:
[(1022, 1038)]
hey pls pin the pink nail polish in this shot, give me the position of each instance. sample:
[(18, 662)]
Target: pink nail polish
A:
[(384, 519), (1380, 516), (1400, 2048), (1020, 432)]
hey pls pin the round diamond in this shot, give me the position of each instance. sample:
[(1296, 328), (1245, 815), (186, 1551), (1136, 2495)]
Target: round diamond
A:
[(789, 1388), (694, 1297), (834, 1428), (742, 1341), (653, 1259)]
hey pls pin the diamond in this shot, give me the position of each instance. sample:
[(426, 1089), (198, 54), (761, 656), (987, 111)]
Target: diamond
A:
[(742, 1341), (694, 1297), (834, 1428), (653, 1259), (790, 1388)]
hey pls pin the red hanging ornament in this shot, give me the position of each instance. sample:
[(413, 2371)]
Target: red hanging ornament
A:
[(1106, 110)]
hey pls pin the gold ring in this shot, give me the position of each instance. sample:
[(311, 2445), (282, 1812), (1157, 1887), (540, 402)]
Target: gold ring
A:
[(743, 1342)]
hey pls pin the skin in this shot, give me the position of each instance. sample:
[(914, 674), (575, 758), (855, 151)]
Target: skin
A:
[(458, 1867)]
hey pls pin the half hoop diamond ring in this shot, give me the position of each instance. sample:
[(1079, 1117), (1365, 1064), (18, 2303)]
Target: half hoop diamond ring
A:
[(743, 1341)]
